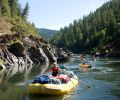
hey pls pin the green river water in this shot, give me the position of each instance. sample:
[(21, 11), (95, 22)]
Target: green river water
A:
[(103, 78)]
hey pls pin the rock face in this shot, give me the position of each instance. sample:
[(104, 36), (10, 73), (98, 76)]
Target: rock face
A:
[(110, 50), (19, 50)]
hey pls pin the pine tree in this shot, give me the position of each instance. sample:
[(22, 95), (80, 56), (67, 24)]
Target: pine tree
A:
[(5, 9), (25, 11), (13, 7)]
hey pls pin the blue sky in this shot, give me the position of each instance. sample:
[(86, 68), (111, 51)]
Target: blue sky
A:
[(54, 14)]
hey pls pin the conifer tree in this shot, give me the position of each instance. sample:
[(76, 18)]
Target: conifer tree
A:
[(25, 11)]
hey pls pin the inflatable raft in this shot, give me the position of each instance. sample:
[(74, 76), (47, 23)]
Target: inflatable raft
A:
[(53, 89), (85, 65)]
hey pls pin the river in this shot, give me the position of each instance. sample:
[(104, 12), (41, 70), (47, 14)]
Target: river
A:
[(103, 79)]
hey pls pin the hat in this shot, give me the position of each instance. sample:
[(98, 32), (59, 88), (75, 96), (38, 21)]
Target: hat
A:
[(55, 63)]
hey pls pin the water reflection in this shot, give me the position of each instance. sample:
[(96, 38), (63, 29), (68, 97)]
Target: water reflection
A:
[(14, 71), (21, 73)]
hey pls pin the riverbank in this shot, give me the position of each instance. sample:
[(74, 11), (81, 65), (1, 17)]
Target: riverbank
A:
[(20, 50)]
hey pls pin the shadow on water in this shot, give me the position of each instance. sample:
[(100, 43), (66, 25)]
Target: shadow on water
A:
[(49, 97), (68, 96)]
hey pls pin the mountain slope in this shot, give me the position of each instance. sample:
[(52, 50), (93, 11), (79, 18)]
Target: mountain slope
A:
[(13, 18), (47, 33), (97, 32)]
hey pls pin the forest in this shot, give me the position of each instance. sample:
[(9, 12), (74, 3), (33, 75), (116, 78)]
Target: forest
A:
[(13, 18), (99, 31)]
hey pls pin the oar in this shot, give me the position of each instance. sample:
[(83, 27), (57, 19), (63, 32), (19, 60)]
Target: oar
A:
[(85, 84), (81, 81)]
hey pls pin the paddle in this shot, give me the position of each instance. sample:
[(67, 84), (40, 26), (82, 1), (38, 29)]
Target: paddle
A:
[(78, 79), (84, 83)]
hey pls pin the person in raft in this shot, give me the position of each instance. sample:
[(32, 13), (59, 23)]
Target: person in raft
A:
[(81, 57), (55, 69)]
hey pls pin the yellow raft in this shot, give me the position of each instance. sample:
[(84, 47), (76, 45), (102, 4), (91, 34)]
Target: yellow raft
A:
[(53, 89), (85, 65)]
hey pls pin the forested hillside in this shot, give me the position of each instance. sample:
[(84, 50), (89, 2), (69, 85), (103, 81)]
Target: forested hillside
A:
[(14, 17), (46, 33), (99, 31)]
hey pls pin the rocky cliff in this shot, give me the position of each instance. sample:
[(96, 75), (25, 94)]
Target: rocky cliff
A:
[(20, 50)]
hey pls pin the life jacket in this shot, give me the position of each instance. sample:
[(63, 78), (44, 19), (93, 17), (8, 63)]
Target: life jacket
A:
[(55, 69)]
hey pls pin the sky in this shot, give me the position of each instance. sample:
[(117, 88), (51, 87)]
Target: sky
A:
[(54, 14)]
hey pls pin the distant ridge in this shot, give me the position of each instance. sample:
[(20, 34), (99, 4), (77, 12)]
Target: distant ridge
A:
[(47, 33)]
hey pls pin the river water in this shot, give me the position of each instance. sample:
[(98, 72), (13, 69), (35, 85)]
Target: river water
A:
[(103, 79)]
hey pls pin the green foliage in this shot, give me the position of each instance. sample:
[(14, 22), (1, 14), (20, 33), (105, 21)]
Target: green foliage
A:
[(99, 29), (25, 11), (14, 14), (15, 41), (47, 33), (0, 12), (13, 4), (5, 9)]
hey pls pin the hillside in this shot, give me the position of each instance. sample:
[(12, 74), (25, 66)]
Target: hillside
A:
[(13, 18), (97, 32), (47, 33), (4, 27)]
